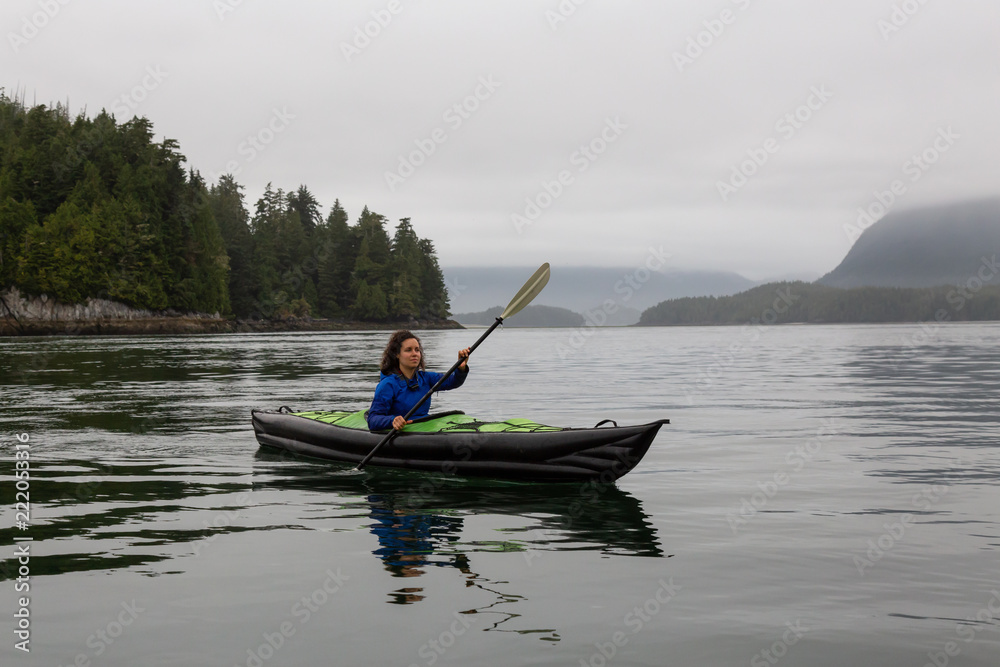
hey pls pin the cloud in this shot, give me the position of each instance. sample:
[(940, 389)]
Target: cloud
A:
[(355, 113)]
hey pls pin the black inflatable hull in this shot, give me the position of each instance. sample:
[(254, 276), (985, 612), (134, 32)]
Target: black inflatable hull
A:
[(577, 454)]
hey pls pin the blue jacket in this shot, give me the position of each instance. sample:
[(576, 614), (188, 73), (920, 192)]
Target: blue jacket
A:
[(395, 396)]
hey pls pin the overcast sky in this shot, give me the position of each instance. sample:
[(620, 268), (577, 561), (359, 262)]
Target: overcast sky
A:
[(357, 100)]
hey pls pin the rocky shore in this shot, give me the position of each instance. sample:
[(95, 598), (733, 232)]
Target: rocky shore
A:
[(22, 315)]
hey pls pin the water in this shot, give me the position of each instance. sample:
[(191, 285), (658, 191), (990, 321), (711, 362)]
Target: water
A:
[(824, 496)]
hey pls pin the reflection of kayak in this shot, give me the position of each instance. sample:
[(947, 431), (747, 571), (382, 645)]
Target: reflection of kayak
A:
[(455, 443), (554, 517)]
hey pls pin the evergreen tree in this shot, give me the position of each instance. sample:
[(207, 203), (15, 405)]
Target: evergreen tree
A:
[(15, 220), (371, 263), (283, 259), (434, 294), (370, 303), (230, 213), (207, 251), (339, 250), (115, 215), (371, 227), (60, 256), (304, 203), (404, 271), (304, 270), (265, 226), (90, 207)]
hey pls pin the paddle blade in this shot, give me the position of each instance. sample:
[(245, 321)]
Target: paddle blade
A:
[(528, 292)]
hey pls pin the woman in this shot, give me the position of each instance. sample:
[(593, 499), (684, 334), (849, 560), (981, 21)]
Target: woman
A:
[(404, 382)]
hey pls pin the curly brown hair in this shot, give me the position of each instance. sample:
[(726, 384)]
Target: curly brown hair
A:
[(390, 356)]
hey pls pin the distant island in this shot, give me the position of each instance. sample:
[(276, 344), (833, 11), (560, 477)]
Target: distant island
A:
[(101, 222), (585, 291), (931, 264), (531, 316), (788, 303), (473, 289)]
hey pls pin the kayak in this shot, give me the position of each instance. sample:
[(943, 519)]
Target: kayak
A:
[(455, 443)]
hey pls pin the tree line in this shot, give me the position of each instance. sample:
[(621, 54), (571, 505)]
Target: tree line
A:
[(90, 207), (801, 302)]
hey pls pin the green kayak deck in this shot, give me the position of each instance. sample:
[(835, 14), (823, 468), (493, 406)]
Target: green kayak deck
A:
[(448, 422)]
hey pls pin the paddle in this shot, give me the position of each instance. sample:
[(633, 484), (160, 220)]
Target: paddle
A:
[(528, 292)]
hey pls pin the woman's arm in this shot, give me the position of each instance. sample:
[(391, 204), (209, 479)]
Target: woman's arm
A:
[(379, 414), (456, 379)]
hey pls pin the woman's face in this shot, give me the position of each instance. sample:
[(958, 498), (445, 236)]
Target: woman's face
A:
[(409, 354)]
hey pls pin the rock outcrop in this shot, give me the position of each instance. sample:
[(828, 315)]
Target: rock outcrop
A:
[(28, 315), (22, 315)]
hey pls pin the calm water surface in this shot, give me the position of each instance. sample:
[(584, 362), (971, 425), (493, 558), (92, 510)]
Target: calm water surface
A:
[(824, 496)]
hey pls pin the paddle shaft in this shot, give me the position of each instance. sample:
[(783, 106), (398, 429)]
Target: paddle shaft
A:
[(392, 434)]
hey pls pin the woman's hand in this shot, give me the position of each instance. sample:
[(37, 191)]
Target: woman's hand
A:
[(398, 423), (464, 354)]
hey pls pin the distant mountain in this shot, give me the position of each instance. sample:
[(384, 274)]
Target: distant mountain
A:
[(581, 288), (531, 316), (927, 247)]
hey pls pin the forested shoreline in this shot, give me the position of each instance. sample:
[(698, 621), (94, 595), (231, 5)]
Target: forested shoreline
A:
[(91, 208), (811, 303)]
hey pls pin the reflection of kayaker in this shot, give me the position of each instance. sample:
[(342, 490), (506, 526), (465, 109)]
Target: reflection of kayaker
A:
[(410, 542), (404, 381)]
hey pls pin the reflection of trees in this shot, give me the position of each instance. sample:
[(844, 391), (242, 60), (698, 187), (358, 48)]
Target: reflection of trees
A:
[(104, 505)]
